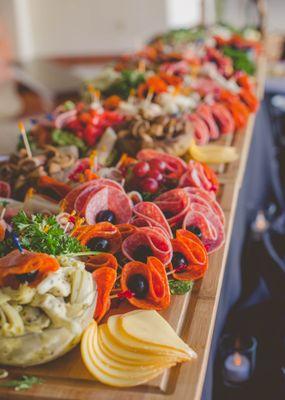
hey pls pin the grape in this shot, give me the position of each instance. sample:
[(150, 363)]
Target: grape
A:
[(160, 165), (141, 169), (156, 174), (149, 185)]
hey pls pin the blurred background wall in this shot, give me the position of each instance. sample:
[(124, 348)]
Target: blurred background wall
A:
[(41, 28), (49, 28)]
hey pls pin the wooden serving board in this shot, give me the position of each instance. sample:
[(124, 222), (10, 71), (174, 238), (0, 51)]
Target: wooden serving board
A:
[(192, 316)]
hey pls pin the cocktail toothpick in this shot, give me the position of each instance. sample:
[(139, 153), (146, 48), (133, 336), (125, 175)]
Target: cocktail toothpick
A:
[(25, 139)]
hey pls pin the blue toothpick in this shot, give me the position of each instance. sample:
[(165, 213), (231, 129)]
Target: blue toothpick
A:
[(16, 242)]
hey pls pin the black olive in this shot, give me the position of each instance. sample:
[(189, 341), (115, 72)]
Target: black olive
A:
[(196, 230), (142, 252), (98, 244), (28, 277), (106, 215), (179, 261), (168, 214), (138, 284)]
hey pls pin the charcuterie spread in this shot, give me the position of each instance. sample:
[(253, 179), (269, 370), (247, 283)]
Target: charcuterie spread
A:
[(114, 202)]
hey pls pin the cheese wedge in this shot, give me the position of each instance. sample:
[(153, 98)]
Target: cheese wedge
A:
[(150, 328), (116, 351), (178, 348), (101, 373)]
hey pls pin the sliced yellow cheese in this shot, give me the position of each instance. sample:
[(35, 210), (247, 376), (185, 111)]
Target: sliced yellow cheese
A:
[(151, 329), (116, 351), (110, 363), (111, 376), (135, 342)]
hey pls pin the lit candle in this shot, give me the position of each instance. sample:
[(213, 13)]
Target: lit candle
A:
[(237, 368)]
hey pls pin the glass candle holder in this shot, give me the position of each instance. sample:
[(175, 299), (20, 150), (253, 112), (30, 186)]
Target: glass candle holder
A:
[(238, 359)]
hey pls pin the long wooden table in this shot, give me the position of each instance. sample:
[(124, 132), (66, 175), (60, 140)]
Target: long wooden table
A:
[(193, 316)]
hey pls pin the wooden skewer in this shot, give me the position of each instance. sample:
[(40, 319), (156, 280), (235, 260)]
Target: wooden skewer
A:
[(3, 212), (25, 139)]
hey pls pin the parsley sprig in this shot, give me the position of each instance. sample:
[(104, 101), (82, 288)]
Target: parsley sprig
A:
[(42, 234), (23, 383), (180, 287)]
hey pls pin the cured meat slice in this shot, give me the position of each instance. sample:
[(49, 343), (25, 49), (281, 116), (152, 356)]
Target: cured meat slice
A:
[(105, 279), (174, 204), (156, 295), (5, 189), (175, 68), (192, 257), (103, 230), (203, 197), (249, 99), (200, 176), (111, 199), (210, 225), (201, 130), (175, 166), (205, 86), (3, 228), (126, 230), (64, 118), (16, 263), (82, 191), (223, 118), (149, 214), (204, 111), (53, 188), (101, 260), (145, 242)]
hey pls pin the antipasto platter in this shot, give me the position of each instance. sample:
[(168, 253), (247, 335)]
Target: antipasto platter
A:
[(116, 215)]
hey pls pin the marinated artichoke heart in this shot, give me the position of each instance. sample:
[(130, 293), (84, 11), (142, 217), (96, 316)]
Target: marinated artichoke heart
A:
[(40, 324)]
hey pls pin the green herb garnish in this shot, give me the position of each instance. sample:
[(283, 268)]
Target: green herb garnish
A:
[(123, 85), (241, 60), (180, 287), (23, 383), (69, 105), (65, 138), (41, 234)]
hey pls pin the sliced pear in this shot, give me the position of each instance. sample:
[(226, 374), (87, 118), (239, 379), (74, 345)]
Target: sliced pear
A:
[(151, 329), (116, 351)]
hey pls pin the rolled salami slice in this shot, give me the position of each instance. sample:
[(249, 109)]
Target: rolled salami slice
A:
[(156, 294), (223, 118), (126, 230), (200, 176), (203, 197), (210, 225), (174, 204), (101, 260), (146, 242), (79, 193), (53, 188), (201, 130), (107, 198), (204, 111), (175, 165), (190, 258), (149, 214), (103, 236), (5, 189), (105, 279)]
